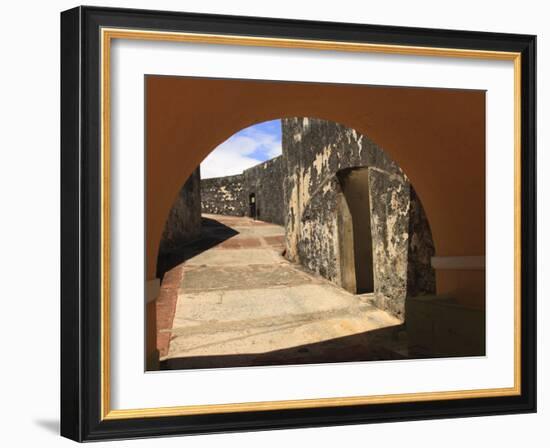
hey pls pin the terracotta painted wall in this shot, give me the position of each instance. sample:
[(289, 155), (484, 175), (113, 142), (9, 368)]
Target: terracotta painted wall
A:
[(437, 136)]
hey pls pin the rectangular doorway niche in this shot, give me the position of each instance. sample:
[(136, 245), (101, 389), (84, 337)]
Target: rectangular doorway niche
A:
[(355, 236), (252, 206)]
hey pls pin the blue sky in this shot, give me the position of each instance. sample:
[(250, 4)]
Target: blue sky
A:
[(243, 150)]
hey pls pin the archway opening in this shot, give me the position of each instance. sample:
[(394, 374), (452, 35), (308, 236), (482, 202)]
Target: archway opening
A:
[(349, 212), (334, 207)]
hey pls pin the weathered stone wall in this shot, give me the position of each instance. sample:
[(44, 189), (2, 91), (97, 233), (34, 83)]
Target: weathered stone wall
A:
[(230, 195), (315, 151), (184, 221), (312, 240), (420, 274), (224, 196), (390, 208), (266, 182)]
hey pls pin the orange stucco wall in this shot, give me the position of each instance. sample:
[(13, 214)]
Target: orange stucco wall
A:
[(437, 136)]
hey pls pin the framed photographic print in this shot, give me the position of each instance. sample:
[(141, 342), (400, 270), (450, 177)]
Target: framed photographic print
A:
[(273, 223)]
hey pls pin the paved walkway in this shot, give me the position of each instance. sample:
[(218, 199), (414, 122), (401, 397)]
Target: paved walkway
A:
[(236, 301)]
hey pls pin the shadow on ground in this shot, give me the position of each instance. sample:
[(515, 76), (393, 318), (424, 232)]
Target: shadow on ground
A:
[(385, 344), (212, 233), (374, 345)]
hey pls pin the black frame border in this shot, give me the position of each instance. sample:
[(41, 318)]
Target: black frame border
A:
[(81, 223)]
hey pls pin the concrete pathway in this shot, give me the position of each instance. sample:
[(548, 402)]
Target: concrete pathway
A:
[(241, 303)]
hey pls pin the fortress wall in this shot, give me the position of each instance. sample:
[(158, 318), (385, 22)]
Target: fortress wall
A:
[(224, 195), (319, 155)]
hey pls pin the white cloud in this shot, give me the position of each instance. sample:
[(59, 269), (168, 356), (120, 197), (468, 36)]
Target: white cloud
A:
[(241, 151), (268, 143)]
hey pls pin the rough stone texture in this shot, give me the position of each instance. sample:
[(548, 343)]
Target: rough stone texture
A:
[(390, 204), (420, 274), (266, 182), (224, 196), (183, 224), (316, 152), (184, 221), (229, 195), (317, 247)]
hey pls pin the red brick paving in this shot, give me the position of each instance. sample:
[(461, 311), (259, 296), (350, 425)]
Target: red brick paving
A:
[(274, 240), (239, 243), (166, 307)]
